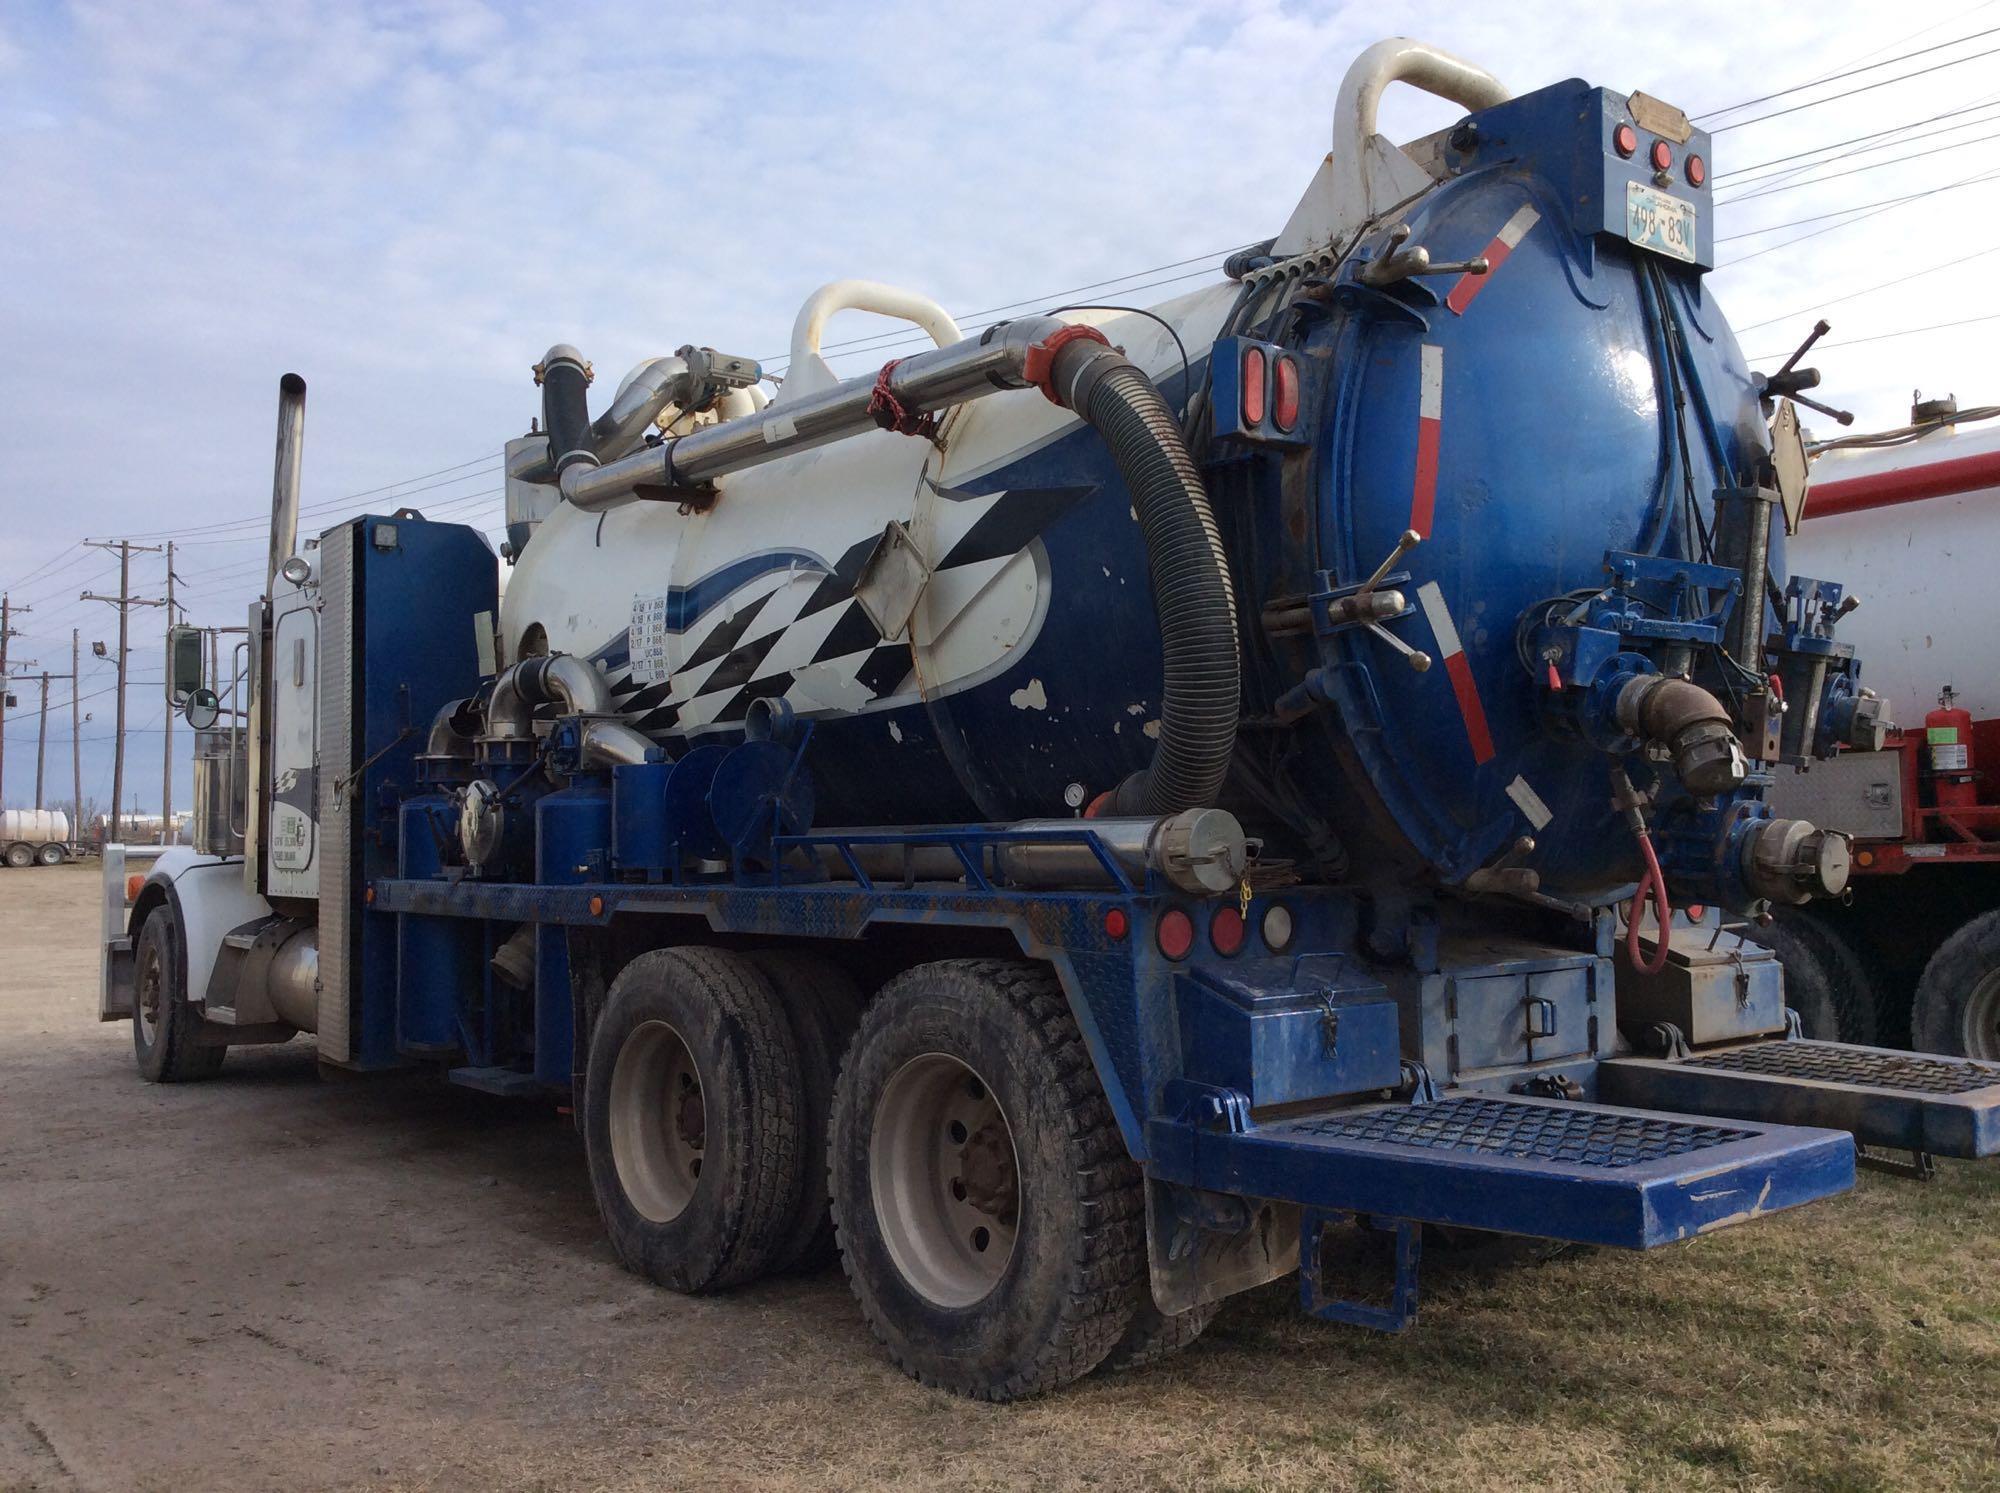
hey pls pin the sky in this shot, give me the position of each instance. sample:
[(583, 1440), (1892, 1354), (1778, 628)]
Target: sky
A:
[(406, 203)]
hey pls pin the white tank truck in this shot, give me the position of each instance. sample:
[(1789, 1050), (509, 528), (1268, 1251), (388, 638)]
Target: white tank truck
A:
[(1072, 815), (34, 837)]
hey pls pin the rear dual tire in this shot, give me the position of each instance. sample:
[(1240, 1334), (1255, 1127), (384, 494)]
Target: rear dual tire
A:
[(990, 1219), (1957, 1006)]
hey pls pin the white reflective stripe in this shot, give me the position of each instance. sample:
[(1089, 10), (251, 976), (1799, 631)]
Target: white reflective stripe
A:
[(1431, 401), (1432, 600), (1516, 227), (1529, 803)]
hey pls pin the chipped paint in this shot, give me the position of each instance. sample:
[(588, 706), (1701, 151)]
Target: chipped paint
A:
[(1153, 730), (1030, 696), (895, 731)]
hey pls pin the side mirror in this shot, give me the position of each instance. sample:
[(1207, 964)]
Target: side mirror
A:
[(202, 709), (184, 662)]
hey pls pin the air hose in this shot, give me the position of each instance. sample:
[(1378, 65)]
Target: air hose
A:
[(1191, 586)]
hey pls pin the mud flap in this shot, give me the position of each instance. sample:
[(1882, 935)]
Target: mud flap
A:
[(1910, 1101), (1547, 1168)]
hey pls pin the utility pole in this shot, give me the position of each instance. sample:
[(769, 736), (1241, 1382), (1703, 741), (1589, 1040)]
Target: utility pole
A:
[(42, 735), (124, 601), (7, 630), (167, 835), (75, 735)]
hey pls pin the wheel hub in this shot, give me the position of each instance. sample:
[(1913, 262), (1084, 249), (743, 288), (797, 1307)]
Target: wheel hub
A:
[(945, 1179), (1980, 1025), (659, 1121)]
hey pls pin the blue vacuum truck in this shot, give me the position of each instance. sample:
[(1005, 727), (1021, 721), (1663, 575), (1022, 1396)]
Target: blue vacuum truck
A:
[(1072, 816)]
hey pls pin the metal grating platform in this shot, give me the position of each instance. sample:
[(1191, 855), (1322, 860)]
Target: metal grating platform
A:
[(1823, 1062), (1502, 1127)]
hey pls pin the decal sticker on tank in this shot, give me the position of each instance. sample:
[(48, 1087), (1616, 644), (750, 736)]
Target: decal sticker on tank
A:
[(1495, 254), (1459, 670), (1430, 435), (1531, 804), (788, 624)]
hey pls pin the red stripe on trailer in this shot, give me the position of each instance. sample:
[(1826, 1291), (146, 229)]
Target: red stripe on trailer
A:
[(1430, 434), (1937, 479), (1459, 669), (1495, 254)]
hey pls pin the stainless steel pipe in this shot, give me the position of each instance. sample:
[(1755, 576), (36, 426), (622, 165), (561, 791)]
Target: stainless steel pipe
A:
[(285, 479), (925, 382)]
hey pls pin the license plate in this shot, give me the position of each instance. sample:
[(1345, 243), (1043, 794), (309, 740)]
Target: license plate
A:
[(1656, 221)]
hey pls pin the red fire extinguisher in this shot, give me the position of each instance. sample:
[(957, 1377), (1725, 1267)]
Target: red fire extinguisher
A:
[(1948, 754)]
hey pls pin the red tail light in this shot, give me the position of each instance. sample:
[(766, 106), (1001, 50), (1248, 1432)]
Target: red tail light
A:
[(1697, 171), (1625, 140), (1285, 394), (1253, 386), (1225, 930), (1663, 155), (1174, 933)]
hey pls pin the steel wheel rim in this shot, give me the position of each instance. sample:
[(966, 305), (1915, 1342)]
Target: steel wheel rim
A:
[(659, 1121), (149, 994), (1979, 1027), (945, 1178)]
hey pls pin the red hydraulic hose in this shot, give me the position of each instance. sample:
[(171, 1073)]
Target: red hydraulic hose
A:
[(1652, 884)]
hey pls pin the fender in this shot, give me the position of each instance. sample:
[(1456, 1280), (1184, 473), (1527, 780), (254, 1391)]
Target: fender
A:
[(207, 895)]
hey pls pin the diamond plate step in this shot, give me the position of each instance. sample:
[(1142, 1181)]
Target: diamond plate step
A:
[(1588, 1173), (1912, 1101)]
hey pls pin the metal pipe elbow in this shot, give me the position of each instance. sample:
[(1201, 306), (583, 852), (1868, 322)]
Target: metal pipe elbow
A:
[(1692, 724)]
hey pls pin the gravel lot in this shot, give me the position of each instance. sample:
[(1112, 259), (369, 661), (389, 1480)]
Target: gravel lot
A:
[(272, 1280)]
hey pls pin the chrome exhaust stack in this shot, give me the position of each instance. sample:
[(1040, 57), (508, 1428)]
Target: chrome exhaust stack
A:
[(285, 479)]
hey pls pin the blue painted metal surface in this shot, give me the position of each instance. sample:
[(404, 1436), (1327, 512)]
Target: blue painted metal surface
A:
[(1548, 1168)]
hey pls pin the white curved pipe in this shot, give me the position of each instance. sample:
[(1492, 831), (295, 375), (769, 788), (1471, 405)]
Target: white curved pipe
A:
[(1421, 65), (865, 295)]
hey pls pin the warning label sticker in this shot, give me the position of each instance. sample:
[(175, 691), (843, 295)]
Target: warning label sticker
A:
[(648, 639)]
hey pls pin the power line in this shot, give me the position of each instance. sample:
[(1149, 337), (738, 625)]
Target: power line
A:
[(1849, 93), (1886, 207), (324, 503), (1854, 72), (1813, 181), (1855, 295), (1940, 326), (1723, 176), (1841, 212)]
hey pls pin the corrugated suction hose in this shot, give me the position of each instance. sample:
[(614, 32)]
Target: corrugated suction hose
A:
[(1192, 592)]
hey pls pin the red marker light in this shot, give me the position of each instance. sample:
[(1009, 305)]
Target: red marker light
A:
[(1697, 171), (1253, 386), (1285, 394), (1225, 930), (1174, 933), (1116, 924), (1662, 155), (1625, 140)]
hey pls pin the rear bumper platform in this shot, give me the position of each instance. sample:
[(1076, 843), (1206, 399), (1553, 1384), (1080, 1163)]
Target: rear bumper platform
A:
[(1549, 1168), (1911, 1101)]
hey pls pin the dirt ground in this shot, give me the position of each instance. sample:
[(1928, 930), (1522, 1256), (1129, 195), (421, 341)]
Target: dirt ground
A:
[(272, 1281)]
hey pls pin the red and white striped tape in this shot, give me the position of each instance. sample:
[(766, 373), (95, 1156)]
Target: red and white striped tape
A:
[(1460, 670), (1503, 243), (1430, 434)]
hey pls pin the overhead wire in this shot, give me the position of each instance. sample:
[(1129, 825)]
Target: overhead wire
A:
[(1856, 72)]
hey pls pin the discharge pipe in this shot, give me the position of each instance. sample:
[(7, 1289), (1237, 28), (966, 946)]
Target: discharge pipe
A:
[(574, 687), (1075, 367)]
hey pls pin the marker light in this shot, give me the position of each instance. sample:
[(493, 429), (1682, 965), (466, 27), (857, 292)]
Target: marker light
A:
[(1253, 386), (1116, 924), (1225, 930), (1277, 927), (1662, 155), (1625, 140), (1174, 933), (1285, 394), (1697, 171)]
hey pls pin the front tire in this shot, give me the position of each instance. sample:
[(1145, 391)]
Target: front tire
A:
[(1957, 1009), (691, 1119), (989, 1217), (166, 1030)]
